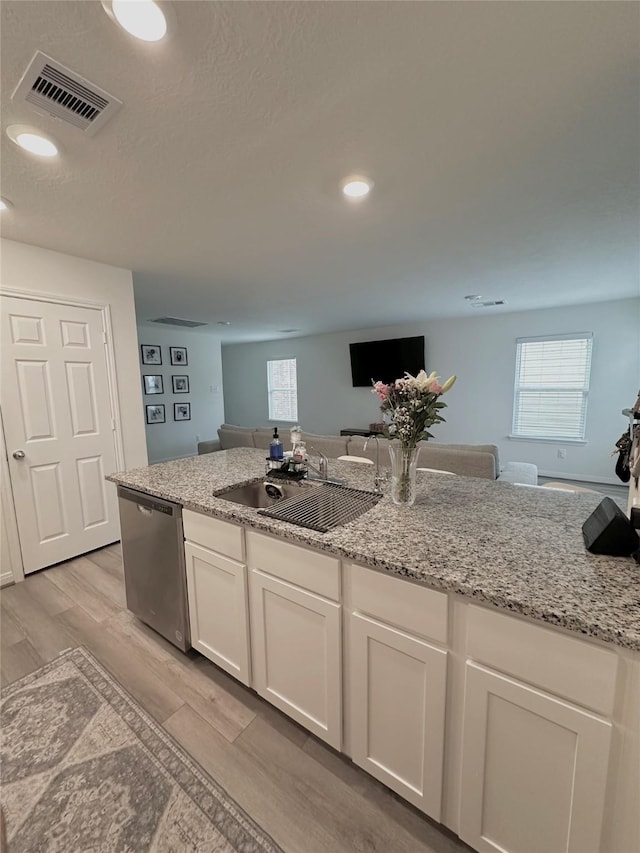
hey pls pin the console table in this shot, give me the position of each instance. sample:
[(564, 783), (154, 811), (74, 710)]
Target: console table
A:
[(363, 432)]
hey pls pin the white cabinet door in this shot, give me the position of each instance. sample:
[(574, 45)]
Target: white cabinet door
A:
[(534, 769), (296, 654), (218, 609), (397, 710)]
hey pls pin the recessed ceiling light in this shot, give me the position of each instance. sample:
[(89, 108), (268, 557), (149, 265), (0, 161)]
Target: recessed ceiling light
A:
[(32, 141), (5, 204), (356, 186), (472, 298), (224, 322), (143, 19)]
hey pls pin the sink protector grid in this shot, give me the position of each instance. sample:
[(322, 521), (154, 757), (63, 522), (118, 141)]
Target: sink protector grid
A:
[(323, 508)]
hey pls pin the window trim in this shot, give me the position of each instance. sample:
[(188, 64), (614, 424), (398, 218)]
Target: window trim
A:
[(584, 390), (547, 439), (270, 390)]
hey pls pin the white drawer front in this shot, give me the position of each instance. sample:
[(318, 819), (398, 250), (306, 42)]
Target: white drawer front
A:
[(223, 537), (575, 669), (294, 563), (407, 605)]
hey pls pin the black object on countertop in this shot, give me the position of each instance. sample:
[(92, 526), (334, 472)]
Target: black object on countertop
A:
[(609, 531), (285, 473)]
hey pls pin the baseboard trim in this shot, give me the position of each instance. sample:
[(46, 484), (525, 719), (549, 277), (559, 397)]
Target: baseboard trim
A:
[(586, 478), (6, 578)]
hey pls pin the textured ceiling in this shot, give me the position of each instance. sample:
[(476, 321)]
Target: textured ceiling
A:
[(503, 139)]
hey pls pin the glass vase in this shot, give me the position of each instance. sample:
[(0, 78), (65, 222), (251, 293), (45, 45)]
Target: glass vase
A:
[(404, 462)]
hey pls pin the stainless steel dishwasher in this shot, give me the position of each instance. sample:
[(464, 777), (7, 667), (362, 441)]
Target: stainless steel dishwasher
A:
[(154, 568)]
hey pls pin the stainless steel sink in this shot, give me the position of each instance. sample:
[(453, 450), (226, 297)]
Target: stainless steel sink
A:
[(264, 493)]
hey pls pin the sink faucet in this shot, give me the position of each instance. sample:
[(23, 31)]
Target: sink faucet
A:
[(323, 465), (377, 479)]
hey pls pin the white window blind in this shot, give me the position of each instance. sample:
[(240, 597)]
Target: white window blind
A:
[(283, 390), (552, 384)]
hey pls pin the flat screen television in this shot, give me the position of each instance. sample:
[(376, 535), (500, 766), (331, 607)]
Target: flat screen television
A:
[(385, 360)]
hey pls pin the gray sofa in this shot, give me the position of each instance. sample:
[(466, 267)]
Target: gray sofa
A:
[(468, 460)]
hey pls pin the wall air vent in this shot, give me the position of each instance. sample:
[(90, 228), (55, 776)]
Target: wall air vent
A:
[(177, 321), (50, 88)]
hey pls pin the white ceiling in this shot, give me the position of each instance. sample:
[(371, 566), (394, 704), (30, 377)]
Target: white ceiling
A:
[(503, 139)]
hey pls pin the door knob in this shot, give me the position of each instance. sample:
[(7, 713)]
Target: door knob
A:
[(18, 454)]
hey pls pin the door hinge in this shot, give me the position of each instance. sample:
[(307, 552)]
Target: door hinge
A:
[(113, 423), (104, 337)]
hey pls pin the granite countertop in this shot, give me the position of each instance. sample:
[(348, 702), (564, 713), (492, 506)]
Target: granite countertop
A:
[(514, 547)]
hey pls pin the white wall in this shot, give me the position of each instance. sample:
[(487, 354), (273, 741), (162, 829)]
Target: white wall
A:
[(481, 351), (176, 439), (32, 269)]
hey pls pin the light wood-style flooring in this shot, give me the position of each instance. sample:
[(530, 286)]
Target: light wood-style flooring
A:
[(309, 798)]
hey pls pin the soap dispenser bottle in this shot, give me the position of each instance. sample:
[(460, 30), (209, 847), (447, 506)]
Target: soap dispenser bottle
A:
[(276, 451)]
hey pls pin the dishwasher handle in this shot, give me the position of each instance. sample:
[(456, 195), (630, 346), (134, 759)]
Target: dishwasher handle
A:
[(147, 504)]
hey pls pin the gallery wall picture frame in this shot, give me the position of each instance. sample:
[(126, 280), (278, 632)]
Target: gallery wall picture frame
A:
[(153, 383), (182, 411), (180, 384), (178, 355), (155, 413), (151, 354)]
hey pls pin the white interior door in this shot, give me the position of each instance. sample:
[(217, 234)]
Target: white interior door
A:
[(59, 429)]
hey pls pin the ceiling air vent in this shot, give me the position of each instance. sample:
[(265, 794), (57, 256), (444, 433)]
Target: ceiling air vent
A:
[(177, 321), (487, 303), (51, 88)]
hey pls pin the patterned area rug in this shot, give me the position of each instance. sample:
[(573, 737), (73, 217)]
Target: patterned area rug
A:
[(85, 768)]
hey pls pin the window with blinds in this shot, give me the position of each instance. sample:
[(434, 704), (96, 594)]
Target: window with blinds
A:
[(283, 390), (552, 385)]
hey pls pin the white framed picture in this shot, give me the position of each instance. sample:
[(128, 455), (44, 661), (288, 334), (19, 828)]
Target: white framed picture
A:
[(153, 384), (155, 413), (182, 411), (180, 384), (151, 354), (178, 355)]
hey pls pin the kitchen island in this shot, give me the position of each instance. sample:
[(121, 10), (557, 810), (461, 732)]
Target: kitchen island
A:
[(514, 650), (515, 547)]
